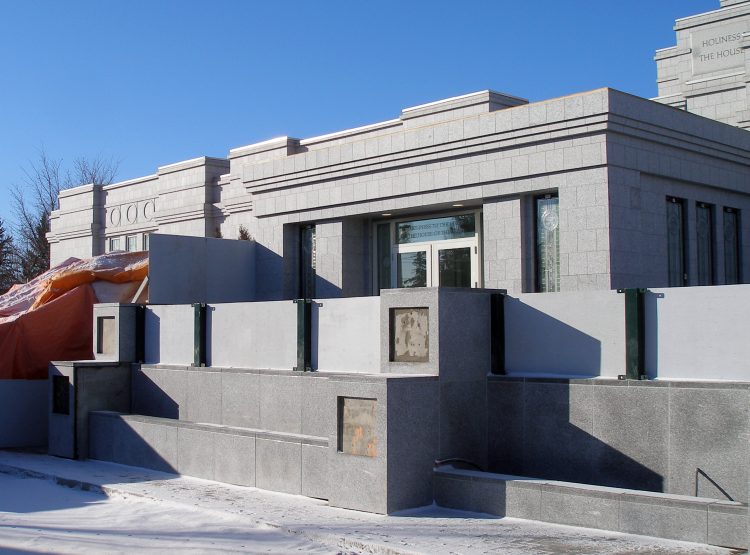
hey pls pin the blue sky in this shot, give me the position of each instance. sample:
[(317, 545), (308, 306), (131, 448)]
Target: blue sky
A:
[(155, 82)]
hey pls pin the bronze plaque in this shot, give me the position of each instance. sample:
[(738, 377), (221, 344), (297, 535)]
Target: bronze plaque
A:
[(410, 335), (357, 426)]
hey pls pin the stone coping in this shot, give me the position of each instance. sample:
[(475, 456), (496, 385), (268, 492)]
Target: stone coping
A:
[(337, 376), (650, 497), (597, 380), (679, 517), (217, 428)]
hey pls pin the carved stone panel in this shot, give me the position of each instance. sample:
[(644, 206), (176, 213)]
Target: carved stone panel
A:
[(410, 335)]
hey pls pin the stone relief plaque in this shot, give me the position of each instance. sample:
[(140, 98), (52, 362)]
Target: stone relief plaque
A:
[(718, 48), (357, 426), (410, 335)]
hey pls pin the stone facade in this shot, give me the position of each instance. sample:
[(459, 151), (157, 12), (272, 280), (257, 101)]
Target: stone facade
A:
[(706, 71), (610, 158), (608, 161)]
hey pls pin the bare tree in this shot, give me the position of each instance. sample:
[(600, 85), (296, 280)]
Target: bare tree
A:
[(7, 260), (37, 197)]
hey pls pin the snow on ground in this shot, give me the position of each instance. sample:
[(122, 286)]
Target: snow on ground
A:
[(40, 516), (149, 511)]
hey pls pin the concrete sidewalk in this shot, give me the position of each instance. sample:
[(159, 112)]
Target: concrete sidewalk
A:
[(427, 530)]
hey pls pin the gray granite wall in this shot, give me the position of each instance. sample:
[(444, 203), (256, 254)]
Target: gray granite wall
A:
[(646, 435)]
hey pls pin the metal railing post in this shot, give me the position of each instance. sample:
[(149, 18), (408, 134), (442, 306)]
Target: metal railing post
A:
[(635, 333), (199, 334), (304, 335)]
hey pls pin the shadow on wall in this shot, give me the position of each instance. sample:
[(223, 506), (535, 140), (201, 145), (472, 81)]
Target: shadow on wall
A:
[(553, 430), (279, 279), (134, 444), (537, 342), (150, 399), (153, 330)]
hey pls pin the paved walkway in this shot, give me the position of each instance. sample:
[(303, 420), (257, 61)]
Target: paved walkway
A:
[(428, 530)]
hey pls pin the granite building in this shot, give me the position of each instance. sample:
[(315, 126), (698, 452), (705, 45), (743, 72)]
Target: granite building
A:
[(597, 190)]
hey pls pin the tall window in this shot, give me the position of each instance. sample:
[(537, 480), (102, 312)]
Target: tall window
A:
[(384, 255), (307, 262), (676, 243), (145, 241), (548, 243), (114, 244), (704, 227), (131, 243), (731, 246)]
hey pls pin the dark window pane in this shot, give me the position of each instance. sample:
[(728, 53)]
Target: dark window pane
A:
[(455, 267), (731, 247), (384, 256), (412, 269), (675, 243), (705, 244), (307, 262)]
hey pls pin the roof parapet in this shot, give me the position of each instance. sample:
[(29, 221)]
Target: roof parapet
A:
[(493, 101)]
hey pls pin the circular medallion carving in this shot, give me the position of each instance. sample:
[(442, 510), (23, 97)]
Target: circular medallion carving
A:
[(131, 214), (148, 210), (115, 216), (550, 219)]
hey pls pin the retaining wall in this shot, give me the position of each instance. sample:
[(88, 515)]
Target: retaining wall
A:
[(23, 413), (660, 436), (693, 519)]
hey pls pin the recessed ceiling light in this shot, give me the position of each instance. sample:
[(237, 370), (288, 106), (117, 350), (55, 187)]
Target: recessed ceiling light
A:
[(386, 214), (457, 204)]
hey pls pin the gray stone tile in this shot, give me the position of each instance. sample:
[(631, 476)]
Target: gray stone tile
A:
[(413, 448), (505, 434), (280, 402), (728, 525), (196, 453), (240, 399), (315, 471), (463, 423), (558, 423), (159, 392), (315, 413), (361, 482), (523, 499), (489, 496), (204, 396), (278, 466), (706, 427), (147, 445), (576, 507), (453, 492), (663, 519), (235, 459), (101, 437), (632, 425)]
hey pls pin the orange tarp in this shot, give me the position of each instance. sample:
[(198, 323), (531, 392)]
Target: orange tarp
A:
[(50, 317)]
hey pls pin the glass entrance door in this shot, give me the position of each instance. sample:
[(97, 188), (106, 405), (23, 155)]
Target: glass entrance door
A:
[(435, 252), (443, 264), (454, 266)]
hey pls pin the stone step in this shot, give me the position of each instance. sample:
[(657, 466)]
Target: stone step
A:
[(276, 461), (662, 515)]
